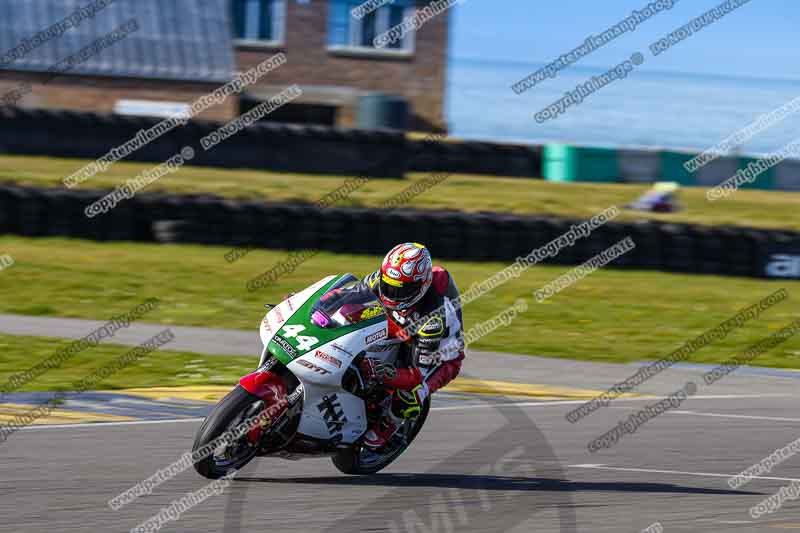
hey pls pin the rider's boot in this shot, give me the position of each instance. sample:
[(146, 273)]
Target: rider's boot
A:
[(405, 405), (382, 429), (380, 433)]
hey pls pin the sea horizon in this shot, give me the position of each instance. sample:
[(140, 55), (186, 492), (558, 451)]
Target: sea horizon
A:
[(650, 109)]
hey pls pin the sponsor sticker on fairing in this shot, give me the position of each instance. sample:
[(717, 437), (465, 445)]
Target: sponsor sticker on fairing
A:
[(294, 396), (284, 344), (378, 335), (268, 364), (382, 347), (332, 412), (328, 358), (312, 366), (343, 350), (371, 312)]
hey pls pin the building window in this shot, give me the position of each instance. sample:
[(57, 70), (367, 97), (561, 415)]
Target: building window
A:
[(259, 21), (348, 32)]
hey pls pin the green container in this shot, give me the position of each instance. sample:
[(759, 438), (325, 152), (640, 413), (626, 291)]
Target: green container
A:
[(565, 162), (559, 162), (672, 168), (765, 180)]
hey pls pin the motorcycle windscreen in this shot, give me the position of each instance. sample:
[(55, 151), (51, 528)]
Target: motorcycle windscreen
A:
[(347, 302)]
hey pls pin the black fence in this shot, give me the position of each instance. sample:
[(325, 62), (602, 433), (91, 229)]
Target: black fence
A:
[(267, 146), (451, 235), (472, 157), (282, 148)]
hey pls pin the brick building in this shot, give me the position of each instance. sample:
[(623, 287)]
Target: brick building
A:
[(172, 57), (183, 49)]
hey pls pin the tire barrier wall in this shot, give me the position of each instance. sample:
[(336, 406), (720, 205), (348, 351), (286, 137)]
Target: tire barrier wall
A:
[(471, 157), (282, 148), (451, 235), (322, 150)]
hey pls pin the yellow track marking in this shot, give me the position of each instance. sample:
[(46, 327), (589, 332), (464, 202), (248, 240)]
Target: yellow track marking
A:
[(9, 412), (213, 393), (203, 393), (505, 388)]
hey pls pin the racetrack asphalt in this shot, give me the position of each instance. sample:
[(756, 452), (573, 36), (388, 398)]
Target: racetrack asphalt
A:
[(484, 463)]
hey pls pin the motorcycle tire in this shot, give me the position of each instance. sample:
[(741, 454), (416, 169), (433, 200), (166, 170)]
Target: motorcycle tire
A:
[(348, 460), (221, 419)]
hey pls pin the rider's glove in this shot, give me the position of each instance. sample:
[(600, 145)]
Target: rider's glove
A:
[(426, 351), (427, 341), (408, 404), (377, 370)]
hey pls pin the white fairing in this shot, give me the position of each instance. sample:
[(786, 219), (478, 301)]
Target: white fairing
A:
[(329, 412), (279, 314)]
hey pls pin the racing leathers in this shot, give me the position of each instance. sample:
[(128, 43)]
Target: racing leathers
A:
[(432, 329)]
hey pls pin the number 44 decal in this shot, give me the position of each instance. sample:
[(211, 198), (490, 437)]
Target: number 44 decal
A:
[(304, 342)]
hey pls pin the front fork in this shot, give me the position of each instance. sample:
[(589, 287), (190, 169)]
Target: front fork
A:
[(268, 384)]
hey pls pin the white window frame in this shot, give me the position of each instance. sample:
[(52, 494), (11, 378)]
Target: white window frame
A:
[(382, 23), (278, 29)]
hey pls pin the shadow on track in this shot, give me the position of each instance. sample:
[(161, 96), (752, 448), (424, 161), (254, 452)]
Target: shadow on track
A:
[(517, 456), (501, 483)]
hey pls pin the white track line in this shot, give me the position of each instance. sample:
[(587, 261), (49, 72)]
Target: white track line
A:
[(579, 402), (673, 472), (450, 408), (746, 417), (111, 424)]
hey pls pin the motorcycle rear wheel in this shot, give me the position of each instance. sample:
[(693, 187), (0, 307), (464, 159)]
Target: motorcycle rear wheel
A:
[(351, 460), (232, 410)]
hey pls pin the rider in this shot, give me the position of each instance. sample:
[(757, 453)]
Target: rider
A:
[(422, 309)]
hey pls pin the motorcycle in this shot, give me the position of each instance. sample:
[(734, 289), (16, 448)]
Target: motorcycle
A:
[(308, 397)]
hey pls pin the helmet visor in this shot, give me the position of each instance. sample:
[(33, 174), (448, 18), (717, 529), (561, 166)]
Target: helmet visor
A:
[(400, 292)]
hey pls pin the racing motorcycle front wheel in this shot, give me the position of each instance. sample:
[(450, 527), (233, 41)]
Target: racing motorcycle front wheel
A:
[(232, 411), (361, 460)]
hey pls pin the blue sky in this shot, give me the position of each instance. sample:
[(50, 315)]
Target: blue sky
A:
[(760, 39)]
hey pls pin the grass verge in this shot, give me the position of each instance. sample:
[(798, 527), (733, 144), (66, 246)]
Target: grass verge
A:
[(612, 315), (161, 368), (460, 192)]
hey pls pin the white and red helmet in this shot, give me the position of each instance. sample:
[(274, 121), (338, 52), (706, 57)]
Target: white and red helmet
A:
[(406, 274)]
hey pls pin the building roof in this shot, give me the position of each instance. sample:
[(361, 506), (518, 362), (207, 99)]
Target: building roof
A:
[(176, 39)]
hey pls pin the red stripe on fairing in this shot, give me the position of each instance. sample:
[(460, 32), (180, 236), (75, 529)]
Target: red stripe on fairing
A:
[(270, 388), (265, 385)]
